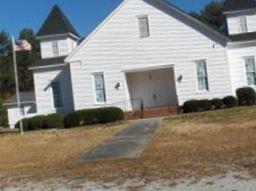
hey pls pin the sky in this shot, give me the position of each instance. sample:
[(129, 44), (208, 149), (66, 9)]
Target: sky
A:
[(85, 15)]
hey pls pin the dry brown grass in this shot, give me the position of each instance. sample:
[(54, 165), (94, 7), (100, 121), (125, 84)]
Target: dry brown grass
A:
[(183, 146), (44, 151), (194, 145)]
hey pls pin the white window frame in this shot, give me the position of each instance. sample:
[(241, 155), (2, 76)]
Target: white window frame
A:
[(243, 25), (53, 99), (246, 72), (197, 77), (95, 90), (55, 48), (147, 34)]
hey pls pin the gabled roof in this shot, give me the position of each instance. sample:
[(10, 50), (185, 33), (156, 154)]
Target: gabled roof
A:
[(56, 24), (49, 62), (168, 8), (25, 97), (239, 5)]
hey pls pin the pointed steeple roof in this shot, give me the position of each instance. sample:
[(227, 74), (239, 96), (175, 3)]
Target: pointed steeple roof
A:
[(56, 24), (239, 5)]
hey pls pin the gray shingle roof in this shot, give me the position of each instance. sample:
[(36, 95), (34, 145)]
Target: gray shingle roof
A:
[(47, 62), (243, 37), (25, 97), (236, 5), (56, 24)]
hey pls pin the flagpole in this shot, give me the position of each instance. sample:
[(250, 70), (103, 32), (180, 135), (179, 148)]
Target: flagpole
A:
[(17, 85)]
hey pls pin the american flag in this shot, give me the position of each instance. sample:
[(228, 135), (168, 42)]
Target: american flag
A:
[(22, 45)]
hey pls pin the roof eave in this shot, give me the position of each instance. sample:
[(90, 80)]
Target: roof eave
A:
[(15, 103), (40, 37), (45, 67), (238, 11)]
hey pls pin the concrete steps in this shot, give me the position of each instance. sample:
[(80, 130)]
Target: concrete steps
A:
[(152, 112)]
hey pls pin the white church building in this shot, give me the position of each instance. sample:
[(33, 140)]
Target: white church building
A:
[(145, 51)]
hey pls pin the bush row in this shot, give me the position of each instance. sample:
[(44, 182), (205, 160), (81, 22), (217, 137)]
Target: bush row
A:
[(245, 97), (78, 118), (42, 122), (93, 116)]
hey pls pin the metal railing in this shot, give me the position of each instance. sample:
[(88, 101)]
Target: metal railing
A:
[(131, 105)]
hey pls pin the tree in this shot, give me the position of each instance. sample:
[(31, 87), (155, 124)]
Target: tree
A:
[(6, 79), (24, 59), (212, 14)]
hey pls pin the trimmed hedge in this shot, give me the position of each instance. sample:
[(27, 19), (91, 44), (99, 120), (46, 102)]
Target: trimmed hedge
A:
[(42, 122), (53, 121), (197, 106), (217, 103), (191, 106), (246, 96), (78, 118), (204, 105), (207, 105), (93, 116), (230, 101)]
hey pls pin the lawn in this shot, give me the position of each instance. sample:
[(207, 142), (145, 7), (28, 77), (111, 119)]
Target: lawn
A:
[(43, 151), (195, 145)]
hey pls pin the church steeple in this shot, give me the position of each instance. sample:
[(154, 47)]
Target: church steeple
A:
[(57, 24), (57, 36)]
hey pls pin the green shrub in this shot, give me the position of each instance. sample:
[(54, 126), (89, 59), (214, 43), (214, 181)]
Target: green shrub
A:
[(191, 106), (93, 116), (230, 101), (246, 96), (42, 122), (110, 114), (73, 119), (217, 103), (34, 123), (53, 121), (204, 105), (3, 114)]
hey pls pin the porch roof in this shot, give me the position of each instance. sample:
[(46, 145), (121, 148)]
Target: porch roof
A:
[(25, 97), (49, 62)]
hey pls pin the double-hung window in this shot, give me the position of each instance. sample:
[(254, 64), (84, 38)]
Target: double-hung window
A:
[(100, 88), (143, 26), (55, 48), (250, 71), (57, 96), (202, 76), (243, 24)]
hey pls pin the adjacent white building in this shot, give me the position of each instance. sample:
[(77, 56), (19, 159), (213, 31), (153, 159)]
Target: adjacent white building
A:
[(145, 51)]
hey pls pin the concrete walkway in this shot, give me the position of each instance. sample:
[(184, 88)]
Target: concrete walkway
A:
[(130, 143)]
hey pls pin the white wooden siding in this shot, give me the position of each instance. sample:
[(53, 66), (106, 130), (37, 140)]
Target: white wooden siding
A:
[(44, 96), (234, 24), (116, 47), (237, 65), (65, 45), (14, 116)]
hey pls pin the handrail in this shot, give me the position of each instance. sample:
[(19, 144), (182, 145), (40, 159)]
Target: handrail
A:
[(130, 105)]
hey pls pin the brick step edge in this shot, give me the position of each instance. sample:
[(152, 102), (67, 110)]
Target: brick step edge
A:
[(154, 112)]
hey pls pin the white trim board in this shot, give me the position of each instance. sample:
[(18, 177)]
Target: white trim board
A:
[(132, 70)]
